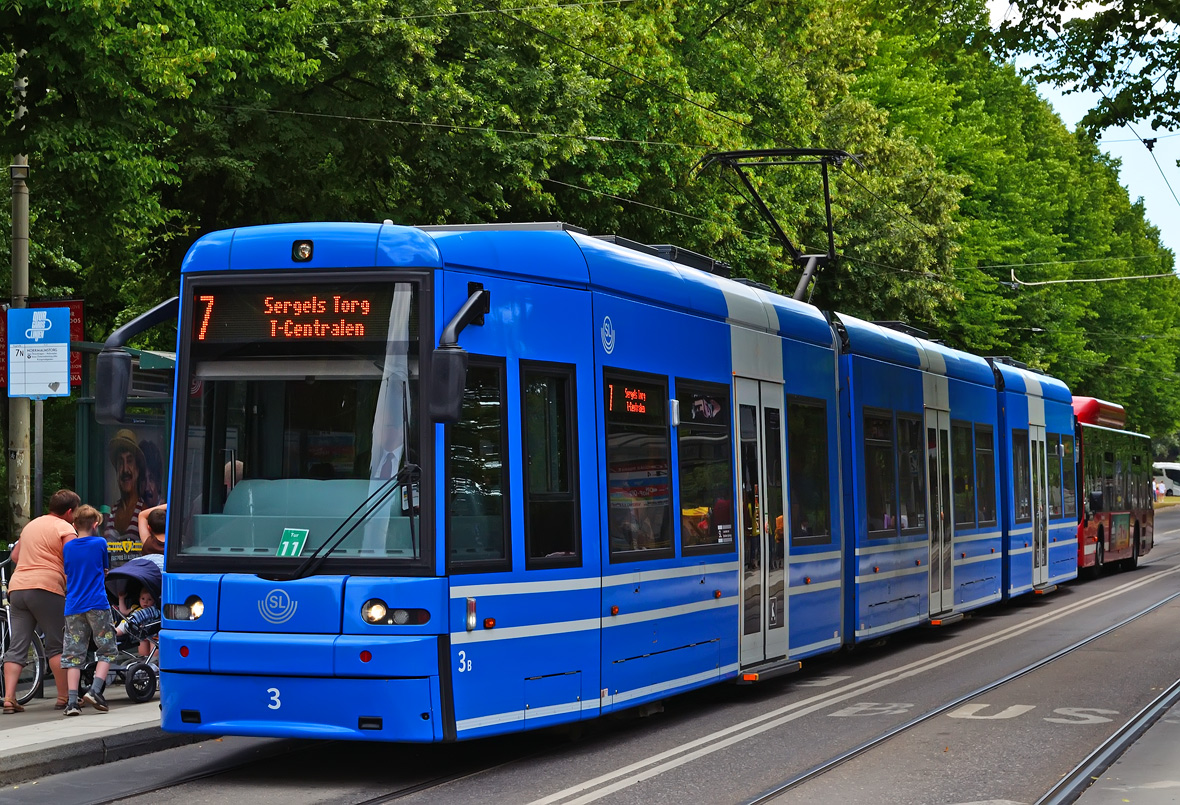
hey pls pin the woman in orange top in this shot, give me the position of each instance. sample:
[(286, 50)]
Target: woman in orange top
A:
[(37, 593)]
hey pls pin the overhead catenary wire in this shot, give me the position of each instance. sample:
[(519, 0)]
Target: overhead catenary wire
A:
[(1090, 279), (919, 228), (1150, 150), (594, 138), (1064, 262), (623, 70), (645, 205), (761, 235)]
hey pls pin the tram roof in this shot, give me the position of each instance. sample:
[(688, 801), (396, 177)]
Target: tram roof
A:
[(553, 253), (882, 343), (1026, 381)]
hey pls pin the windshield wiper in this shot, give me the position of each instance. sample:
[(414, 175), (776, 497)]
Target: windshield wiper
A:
[(408, 474)]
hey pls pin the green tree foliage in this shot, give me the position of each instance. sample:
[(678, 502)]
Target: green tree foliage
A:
[(108, 88), (150, 124), (1127, 51)]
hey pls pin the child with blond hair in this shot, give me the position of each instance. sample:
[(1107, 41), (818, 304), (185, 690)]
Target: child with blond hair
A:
[(88, 615)]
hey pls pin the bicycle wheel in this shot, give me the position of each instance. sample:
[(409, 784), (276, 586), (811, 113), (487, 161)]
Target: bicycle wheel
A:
[(29, 681)]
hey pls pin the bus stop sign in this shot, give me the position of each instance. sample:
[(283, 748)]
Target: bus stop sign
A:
[(38, 352)]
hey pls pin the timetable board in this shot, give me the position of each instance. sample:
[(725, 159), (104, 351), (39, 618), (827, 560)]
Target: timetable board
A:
[(38, 352)]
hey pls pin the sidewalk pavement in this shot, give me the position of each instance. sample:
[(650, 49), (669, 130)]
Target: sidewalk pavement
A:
[(42, 741), (1148, 773)]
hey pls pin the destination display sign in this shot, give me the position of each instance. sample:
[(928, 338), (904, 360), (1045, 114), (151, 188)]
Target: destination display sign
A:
[(307, 313), (630, 401)]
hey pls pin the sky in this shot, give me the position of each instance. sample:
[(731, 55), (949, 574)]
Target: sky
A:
[(1139, 173)]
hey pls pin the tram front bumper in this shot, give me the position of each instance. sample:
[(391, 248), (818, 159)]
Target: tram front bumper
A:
[(301, 686)]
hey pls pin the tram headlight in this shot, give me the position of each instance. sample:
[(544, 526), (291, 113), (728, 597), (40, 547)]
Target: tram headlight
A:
[(191, 610), (377, 612), (374, 611)]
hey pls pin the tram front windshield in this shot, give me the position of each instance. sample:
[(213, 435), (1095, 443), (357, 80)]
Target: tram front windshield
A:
[(301, 424)]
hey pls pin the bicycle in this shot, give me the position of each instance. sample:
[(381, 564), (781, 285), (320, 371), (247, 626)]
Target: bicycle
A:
[(33, 674)]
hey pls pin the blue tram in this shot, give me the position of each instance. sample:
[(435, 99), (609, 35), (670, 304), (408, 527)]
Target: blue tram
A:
[(446, 482)]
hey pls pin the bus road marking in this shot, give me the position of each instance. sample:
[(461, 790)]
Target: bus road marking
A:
[(665, 761), (820, 681), (974, 710)]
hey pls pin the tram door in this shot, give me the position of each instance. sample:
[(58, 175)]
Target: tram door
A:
[(1040, 511), (942, 529), (759, 428)]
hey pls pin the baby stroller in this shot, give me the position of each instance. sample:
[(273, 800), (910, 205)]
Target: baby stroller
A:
[(138, 673)]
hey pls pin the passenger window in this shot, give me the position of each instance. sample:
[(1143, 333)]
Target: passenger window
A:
[(985, 475), (637, 466), (705, 467), (1134, 483), (1052, 445), (910, 451), (552, 530), (1108, 482), (477, 519), (962, 460), (1022, 484), (880, 474), (807, 455), (1120, 485)]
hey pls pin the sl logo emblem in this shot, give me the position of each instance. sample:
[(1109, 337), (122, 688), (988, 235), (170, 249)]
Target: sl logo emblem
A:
[(277, 607), (608, 335)]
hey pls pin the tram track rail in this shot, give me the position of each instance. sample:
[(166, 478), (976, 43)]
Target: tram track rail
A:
[(280, 749), (1083, 775), (1068, 789), (721, 740), (287, 748), (1072, 784)]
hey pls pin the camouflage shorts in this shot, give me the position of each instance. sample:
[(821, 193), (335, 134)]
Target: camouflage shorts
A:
[(80, 628)]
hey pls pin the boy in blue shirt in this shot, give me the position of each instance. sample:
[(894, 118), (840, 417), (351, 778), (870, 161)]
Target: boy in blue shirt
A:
[(88, 614)]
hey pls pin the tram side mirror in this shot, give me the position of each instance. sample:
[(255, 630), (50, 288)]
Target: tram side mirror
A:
[(113, 384), (448, 379)]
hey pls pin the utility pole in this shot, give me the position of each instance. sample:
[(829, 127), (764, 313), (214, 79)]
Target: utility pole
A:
[(18, 407)]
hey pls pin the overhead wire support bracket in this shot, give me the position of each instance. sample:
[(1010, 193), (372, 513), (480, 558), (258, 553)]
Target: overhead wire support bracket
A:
[(782, 157)]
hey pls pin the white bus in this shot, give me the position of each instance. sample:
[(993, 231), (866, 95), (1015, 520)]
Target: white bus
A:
[(1169, 473)]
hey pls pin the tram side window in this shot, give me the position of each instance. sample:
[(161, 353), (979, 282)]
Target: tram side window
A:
[(964, 467), (1052, 446), (1069, 476), (548, 423), (638, 462), (476, 514), (1022, 485), (880, 474), (985, 475), (911, 451), (807, 452), (706, 467)]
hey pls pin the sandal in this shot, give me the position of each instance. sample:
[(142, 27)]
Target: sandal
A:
[(61, 702), (11, 707)]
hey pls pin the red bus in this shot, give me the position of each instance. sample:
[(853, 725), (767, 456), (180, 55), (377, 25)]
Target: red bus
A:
[(1115, 520)]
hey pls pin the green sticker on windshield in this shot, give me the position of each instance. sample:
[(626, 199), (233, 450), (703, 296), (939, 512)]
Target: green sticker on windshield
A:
[(292, 542)]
